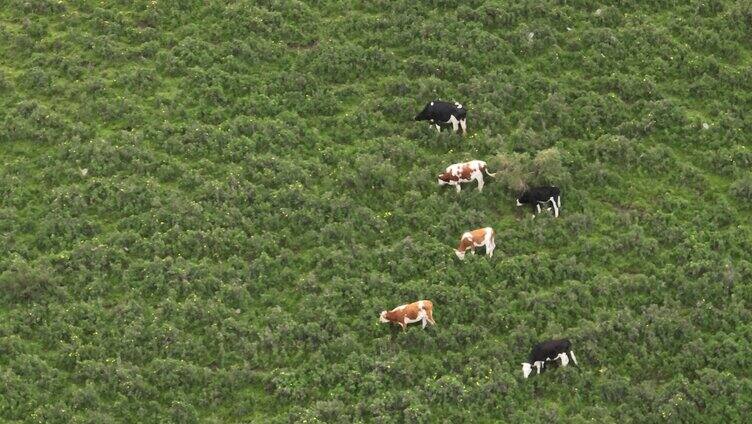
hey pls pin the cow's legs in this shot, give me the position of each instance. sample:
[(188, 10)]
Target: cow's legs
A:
[(438, 128), (429, 316), (571, 356), (457, 187), (463, 124), (454, 125), (424, 322), (558, 200), (402, 324), (490, 246), (556, 208), (537, 206), (480, 182)]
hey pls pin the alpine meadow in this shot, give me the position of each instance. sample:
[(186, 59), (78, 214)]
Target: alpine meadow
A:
[(206, 205)]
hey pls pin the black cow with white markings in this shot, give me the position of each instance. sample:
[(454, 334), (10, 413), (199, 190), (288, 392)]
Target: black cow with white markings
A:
[(541, 195), (548, 351), (438, 113)]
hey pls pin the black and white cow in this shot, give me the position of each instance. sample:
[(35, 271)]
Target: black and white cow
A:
[(548, 351), (438, 112), (537, 195)]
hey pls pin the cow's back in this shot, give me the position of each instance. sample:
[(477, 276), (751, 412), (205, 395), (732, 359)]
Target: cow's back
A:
[(427, 305), (480, 234), (443, 111)]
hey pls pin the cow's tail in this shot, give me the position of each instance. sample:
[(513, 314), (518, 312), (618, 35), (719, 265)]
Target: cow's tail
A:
[(485, 168)]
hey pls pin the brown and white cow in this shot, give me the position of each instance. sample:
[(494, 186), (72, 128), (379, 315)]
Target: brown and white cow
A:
[(421, 310), (465, 172), (477, 238)]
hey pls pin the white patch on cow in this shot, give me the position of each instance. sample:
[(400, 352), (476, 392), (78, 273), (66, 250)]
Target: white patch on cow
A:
[(518, 202), (438, 128), (526, 369), (457, 105), (564, 359), (556, 208), (431, 103), (460, 254), (463, 125), (475, 167), (454, 122), (539, 365), (422, 316), (382, 317), (488, 240), (477, 175)]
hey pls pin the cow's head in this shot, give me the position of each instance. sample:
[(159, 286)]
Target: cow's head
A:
[(460, 254), (526, 369), (424, 115), (382, 317)]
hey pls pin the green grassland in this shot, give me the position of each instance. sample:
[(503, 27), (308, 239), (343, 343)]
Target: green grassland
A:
[(204, 206)]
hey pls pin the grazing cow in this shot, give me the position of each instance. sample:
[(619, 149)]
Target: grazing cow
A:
[(421, 310), (537, 195), (548, 351), (477, 238), (464, 173), (438, 112)]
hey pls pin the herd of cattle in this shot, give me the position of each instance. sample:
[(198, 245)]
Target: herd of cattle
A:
[(441, 114)]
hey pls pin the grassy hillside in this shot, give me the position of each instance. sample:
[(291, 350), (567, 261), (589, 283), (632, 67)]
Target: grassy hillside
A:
[(204, 206)]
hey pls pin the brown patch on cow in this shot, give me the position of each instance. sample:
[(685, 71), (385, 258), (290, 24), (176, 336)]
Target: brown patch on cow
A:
[(448, 176), (410, 311), (476, 237), (465, 172)]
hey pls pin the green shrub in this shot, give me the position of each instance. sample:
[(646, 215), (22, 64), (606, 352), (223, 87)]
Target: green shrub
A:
[(741, 189)]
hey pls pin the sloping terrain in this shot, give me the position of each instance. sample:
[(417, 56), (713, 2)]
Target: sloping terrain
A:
[(204, 206)]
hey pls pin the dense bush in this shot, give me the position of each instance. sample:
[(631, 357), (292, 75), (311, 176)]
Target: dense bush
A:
[(204, 206), (741, 189)]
